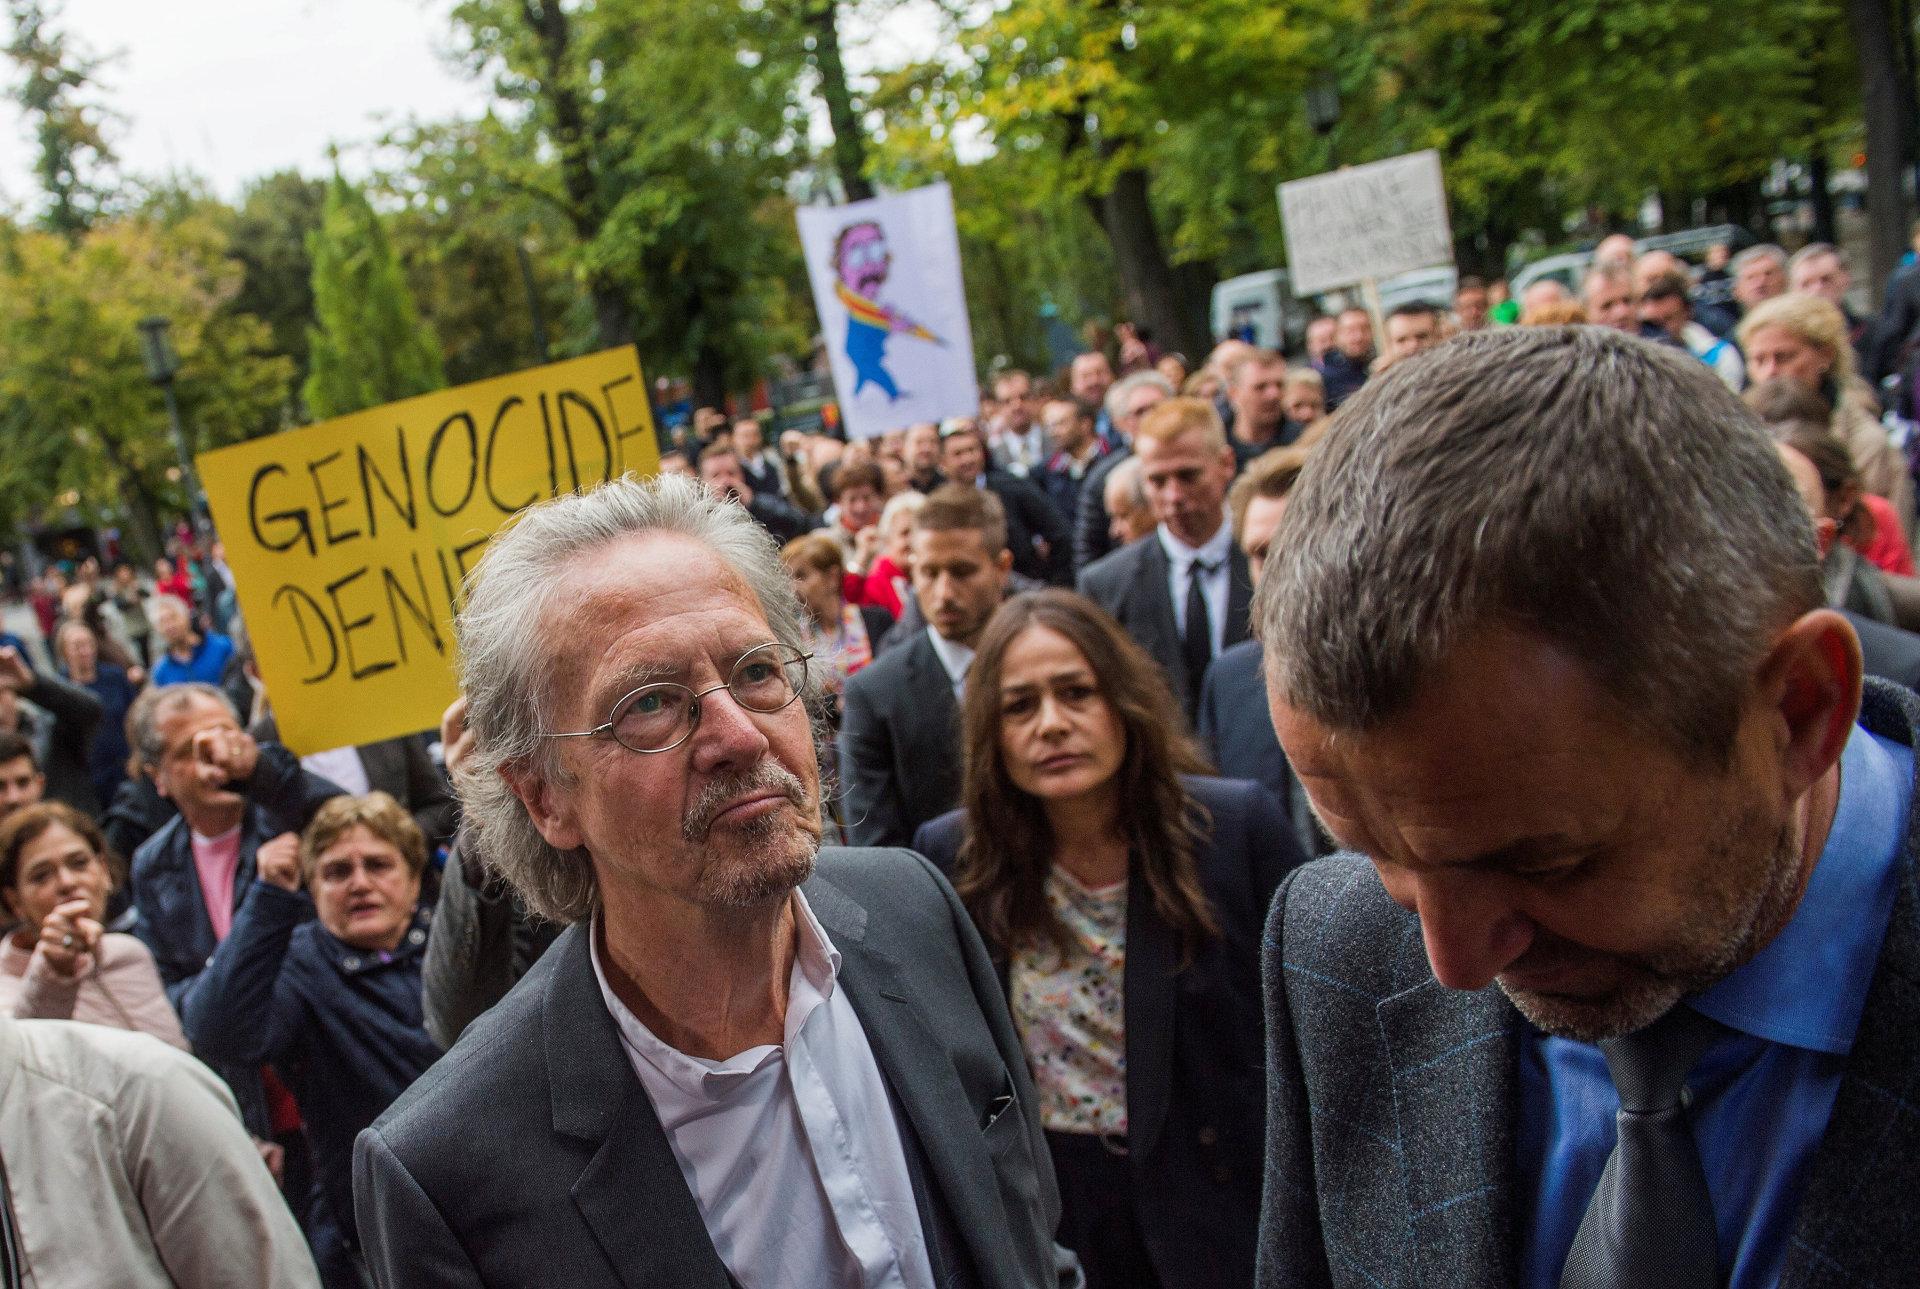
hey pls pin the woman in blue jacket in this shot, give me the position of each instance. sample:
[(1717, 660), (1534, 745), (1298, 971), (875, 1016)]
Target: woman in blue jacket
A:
[(1122, 895), (324, 985)]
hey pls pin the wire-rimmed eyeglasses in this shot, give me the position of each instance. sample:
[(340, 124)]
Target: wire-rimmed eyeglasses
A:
[(659, 717)]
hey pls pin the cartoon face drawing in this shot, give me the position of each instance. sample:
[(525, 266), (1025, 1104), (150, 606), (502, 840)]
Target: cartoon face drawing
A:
[(861, 258)]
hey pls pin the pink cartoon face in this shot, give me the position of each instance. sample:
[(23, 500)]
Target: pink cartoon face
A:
[(861, 258)]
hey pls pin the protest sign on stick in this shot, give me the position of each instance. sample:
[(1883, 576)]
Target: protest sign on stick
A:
[(893, 309), (1365, 223), (349, 539)]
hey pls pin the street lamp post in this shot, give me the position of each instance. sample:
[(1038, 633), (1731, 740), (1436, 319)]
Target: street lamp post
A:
[(162, 366)]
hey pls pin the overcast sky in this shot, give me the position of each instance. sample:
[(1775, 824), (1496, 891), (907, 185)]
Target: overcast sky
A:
[(234, 89)]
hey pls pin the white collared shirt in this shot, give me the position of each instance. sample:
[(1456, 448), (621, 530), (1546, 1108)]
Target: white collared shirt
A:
[(955, 658), (792, 1152), (1218, 552)]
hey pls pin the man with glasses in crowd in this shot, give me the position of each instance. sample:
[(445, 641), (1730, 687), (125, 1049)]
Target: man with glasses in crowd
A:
[(748, 1060)]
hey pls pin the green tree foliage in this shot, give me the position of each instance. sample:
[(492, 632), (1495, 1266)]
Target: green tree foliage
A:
[(73, 159), (77, 411), (368, 345), (276, 217)]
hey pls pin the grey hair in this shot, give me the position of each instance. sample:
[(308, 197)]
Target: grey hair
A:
[(1813, 251), (507, 664), (1764, 251), (148, 710), (1605, 494), (1115, 402)]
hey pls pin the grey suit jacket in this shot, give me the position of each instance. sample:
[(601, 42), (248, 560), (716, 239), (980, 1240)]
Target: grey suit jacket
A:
[(1391, 1099), (530, 1154), (1131, 584)]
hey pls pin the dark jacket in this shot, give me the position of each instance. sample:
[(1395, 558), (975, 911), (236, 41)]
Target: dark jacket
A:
[(1131, 584), (484, 939), (1032, 519), (62, 736), (401, 768), (1092, 525), (1393, 1102), (1195, 1064), (1343, 376), (341, 1026), (780, 517), (1237, 729), (530, 1155), (899, 745), (108, 751), (137, 812), (173, 919)]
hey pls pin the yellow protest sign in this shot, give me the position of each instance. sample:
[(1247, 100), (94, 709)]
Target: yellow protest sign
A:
[(349, 539)]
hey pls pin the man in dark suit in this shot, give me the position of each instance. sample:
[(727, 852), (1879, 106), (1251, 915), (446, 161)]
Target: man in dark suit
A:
[(1127, 400), (1232, 720), (1037, 534), (399, 767), (720, 471), (857, 1112), (900, 715), (1182, 592), (1617, 989)]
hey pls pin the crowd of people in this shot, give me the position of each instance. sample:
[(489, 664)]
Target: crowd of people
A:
[(887, 862)]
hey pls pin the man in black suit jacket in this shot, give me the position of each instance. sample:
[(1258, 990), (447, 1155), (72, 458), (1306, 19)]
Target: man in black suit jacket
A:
[(900, 715), (870, 1119), (1186, 467), (1127, 400), (1624, 806), (1037, 534)]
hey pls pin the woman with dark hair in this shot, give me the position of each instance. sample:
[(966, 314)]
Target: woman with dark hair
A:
[(59, 962), (1122, 897)]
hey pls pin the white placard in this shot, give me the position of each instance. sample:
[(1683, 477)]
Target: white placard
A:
[(893, 309), (1363, 222)]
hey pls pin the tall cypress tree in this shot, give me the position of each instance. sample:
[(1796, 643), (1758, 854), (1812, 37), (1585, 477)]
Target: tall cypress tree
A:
[(370, 346)]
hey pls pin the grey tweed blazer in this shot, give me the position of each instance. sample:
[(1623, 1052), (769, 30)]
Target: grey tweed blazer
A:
[(1391, 1100)]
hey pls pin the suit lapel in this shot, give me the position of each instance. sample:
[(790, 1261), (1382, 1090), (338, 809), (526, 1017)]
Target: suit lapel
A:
[(631, 1193), (1856, 1219), (1239, 598), (915, 1065), (1154, 598), (1454, 1096), (1148, 988)]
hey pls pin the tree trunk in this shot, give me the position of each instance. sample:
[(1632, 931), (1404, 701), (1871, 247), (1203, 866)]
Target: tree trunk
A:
[(1825, 228), (709, 378), (1150, 289), (1881, 98), (849, 144)]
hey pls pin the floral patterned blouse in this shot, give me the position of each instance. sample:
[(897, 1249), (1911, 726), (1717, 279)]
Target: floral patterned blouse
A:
[(1070, 1009)]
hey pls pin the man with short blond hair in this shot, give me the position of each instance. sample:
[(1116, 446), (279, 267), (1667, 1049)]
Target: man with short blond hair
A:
[(1182, 592), (1256, 390), (1607, 294)]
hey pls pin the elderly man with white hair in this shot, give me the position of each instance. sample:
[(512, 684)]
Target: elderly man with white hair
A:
[(749, 1060)]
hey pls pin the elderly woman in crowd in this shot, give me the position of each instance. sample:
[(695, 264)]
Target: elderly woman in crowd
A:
[(889, 579), (59, 963), (859, 490), (320, 977), (1803, 338), (1122, 897), (78, 649), (843, 637)]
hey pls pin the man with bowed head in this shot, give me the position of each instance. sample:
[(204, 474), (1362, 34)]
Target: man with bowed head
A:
[(1616, 987), (749, 1060)]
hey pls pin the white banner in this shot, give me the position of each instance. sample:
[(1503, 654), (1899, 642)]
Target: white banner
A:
[(1370, 221), (893, 309)]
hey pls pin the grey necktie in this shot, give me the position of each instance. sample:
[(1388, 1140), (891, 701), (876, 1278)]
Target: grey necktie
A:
[(1651, 1219)]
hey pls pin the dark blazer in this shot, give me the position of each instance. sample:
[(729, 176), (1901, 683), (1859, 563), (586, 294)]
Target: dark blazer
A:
[(173, 919), (1392, 1100), (530, 1154), (1888, 652), (1092, 525), (71, 715), (1031, 517), (1194, 1060), (1131, 584), (899, 745), (1237, 729)]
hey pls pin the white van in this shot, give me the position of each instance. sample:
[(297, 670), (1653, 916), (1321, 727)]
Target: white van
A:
[(1259, 308)]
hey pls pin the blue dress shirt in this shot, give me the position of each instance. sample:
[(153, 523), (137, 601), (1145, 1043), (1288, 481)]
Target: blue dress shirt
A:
[(1763, 1094)]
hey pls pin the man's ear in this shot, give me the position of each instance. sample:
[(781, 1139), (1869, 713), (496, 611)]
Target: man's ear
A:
[(1004, 561), (1811, 678), (549, 806)]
